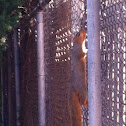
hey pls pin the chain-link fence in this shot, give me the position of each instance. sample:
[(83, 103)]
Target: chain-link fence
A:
[(9, 84), (113, 59), (28, 74), (62, 20), (28, 78), (57, 61)]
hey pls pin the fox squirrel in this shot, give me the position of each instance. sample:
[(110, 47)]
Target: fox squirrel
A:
[(78, 88)]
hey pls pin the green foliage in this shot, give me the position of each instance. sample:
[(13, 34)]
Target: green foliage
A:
[(9, 14)]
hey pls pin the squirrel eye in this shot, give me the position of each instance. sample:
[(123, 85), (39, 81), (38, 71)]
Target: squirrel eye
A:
[(78, 34)]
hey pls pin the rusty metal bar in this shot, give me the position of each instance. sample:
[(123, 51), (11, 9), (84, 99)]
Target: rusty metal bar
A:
[(17, 80), (94, 62), (41, 72)]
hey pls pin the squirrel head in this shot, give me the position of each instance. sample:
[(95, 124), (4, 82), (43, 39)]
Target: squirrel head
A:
[(80, 37)]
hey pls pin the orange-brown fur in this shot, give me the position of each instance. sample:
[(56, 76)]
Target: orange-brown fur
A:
[(78, 87)]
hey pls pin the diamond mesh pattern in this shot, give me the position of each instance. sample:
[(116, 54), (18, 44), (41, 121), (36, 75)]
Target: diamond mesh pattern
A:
[(79, 21), (113, 59), (63, 19), (28, 74), (9, 84), (57, 61)]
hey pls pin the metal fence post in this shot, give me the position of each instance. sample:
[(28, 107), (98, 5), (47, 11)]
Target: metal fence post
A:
[(41, 72), (94, 62), (2, 83), (17, 83), (9, 84)]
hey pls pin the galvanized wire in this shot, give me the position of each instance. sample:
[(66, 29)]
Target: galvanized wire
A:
[(61, 23), (113, 59), (9, 84), (28, 72), (63, 19), (57, 61), (79, 21)]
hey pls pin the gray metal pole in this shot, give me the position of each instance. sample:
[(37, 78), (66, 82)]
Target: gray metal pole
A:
[(17, 82), (94, 62), (2, 84), (9, 85), (41, 72)]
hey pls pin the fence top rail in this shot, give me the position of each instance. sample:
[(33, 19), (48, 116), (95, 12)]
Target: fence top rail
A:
[(39, 7)]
